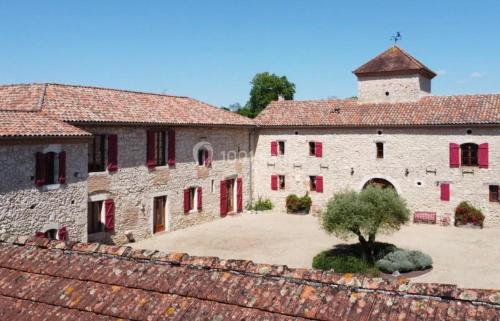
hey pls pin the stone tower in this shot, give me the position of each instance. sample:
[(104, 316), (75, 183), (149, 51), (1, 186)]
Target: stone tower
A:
[(393, 76)]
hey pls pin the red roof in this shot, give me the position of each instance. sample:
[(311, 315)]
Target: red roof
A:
[(394, 61), (51, 280), (32, 124), (21, 97), (84, 104), (102, 105), (428, 111)]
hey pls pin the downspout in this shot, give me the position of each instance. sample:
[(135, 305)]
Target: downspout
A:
[(250, 146)]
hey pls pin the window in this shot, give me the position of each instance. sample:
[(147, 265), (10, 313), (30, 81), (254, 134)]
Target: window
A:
[(204, 158), (96, 154), (50, 168), (156, 148), (160, 148), (192, 199), (95, 222), (494, 196), (312, 183), (312, 148), (469, 154), (281, 148), (281, 179), (380, 150), (51, 234)]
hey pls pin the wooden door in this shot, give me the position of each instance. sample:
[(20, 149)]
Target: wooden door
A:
[(159, 214)]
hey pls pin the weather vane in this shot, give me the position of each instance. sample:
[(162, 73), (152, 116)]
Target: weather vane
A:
[(396, 37)]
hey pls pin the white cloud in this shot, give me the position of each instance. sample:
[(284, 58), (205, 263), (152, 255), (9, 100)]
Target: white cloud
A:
[(442, 72), (477, 74)]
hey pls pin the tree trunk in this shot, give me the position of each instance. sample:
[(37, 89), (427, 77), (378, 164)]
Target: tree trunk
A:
[(368, 248)]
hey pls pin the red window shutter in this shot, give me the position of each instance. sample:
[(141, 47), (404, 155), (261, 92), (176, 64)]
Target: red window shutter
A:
[(171, 147), (319, 184), (319, 149), (62, 168), (223, 199), (483, 157), (40, 169), (186, 201), (40, 235), (274, 148), (200, 199), (150, 161), (445, 191), (109, 217), (239, 194), (454, 155), (274, 182), (112, 153), (62, 234)]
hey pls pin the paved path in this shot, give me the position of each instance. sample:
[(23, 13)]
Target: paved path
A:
[(467, 257)]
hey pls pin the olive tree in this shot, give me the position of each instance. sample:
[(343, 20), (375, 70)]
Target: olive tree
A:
[(364, 215)]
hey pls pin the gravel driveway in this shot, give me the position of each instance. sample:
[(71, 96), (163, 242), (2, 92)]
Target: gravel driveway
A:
[(466, 257)]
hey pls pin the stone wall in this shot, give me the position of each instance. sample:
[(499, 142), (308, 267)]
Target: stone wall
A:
[(387, 89), (134, 186), (349, 161), (26, 208)]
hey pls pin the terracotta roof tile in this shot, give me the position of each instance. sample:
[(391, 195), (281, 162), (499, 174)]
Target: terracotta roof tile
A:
[(428, 111), (33, 124), (47, 106), (23, 97), (92, 283), (393, 61), (102, 105)]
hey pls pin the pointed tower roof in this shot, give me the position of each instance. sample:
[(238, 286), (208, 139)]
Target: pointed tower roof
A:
[(394, 61)]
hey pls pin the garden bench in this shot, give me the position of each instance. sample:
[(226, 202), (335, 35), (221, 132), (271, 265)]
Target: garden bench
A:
[(424, 217)]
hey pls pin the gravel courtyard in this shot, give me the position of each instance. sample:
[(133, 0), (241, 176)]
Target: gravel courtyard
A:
[(466, 257)]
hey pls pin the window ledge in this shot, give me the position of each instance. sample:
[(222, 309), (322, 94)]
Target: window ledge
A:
[(193, 211), (100, 173), (159, 167), (51, 187)]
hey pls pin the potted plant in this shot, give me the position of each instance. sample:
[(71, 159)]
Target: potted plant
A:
[(298, 205)]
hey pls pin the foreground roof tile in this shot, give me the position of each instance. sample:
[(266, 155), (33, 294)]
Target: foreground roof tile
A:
[(82, 281)]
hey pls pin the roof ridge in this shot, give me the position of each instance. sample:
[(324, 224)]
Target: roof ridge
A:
[(398, 286), (116, 89), (418, 62), (42, 97)]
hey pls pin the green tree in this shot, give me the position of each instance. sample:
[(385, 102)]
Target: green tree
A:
[(267, 87), (364, 215)]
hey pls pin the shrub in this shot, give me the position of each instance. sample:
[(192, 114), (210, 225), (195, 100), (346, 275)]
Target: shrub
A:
[(466, 213), (348, 258), (340, 263), (295, 204), (261, 205), (404, 261)]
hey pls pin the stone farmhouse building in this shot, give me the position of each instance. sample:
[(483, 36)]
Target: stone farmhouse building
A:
[(97, 164)]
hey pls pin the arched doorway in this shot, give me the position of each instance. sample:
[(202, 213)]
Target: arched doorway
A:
[(379, 183)]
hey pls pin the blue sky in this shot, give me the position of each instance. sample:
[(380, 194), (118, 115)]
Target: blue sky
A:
[(210, 50)]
